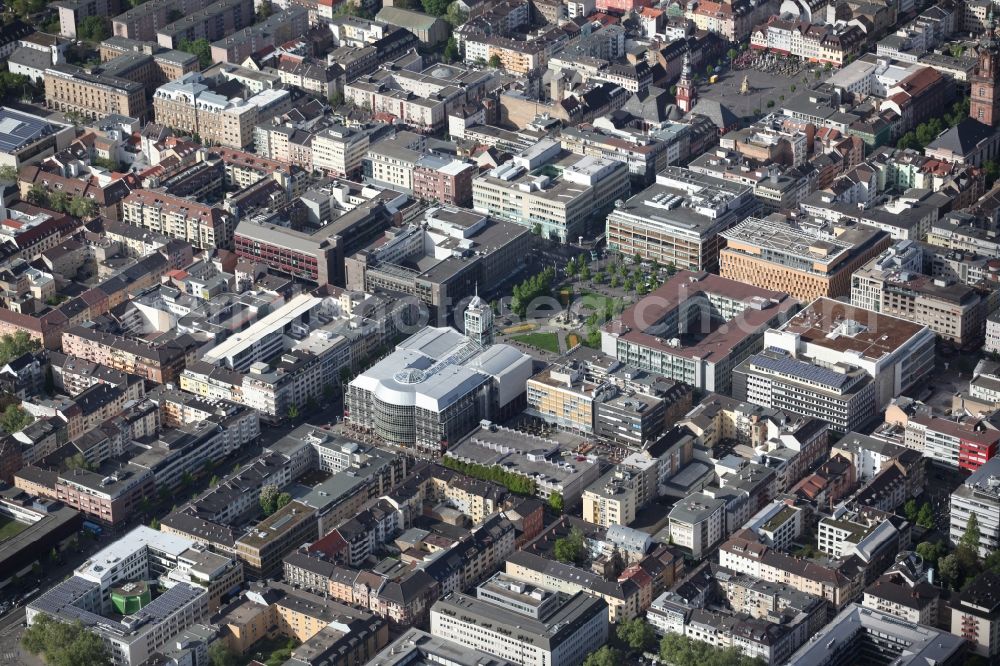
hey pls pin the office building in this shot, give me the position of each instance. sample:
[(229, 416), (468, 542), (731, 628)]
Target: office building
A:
[(859, 635), (71, 89), (678, 220), (895, 283), (442, 260), (26, 139), (436, 387), (532, 626), (204, 227), (113, 574), (807, 262), (558, 202), (190, 105), (549, 461), (416, 646), (820, 362), (696, 328), (338, 151), (262, 548)]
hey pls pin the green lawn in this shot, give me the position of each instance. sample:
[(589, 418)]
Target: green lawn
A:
[(10, 527), (545, 341)]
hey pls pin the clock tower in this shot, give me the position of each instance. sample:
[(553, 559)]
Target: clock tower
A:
[(984, 101), (687, 92)]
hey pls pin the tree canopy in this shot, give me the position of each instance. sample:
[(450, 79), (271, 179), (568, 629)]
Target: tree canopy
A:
[(515, 483), (269, 499), (64, 644), (572, 548), (13, 346), (436, 7), (605, 656), (15, 419), (637, 634), (93, 29), (199, 47)]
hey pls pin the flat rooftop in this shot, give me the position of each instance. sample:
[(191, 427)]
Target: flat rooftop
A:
[(841, 327)]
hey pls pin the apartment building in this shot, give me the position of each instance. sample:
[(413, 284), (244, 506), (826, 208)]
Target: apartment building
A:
[(143, 21), (262, 548), (190, 105), (212, 22), (338, 151), (679, 219), (839, 585), (805, 262), (204, 227), (975, 615), (814, 42), (110, 496), (614, 499), (159, 362), (894, 283), (649, 334), (71, 89), (277, 28), (979, 494), (169, 64), (697, 523), (558, 206)]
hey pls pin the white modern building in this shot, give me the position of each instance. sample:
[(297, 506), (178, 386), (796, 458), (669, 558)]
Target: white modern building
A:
[(697, 523), (979, 494), (527, 625)]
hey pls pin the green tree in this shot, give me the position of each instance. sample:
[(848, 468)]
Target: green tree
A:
[(455, 16), (213, 482), (494, 61), (925, 518), (732, 54), (82, 207), (269, 499), (15, 419), (436, 7), (16, 345), (970, 538), (556, 502), (264, 11), (637, 634), (155, 523), (678, 650), (219, 654), (992, 170), (93, 29), (336, 99), (605, 656), (910, 510), (931, 552), (451, 53), (585, 273), (199, 47), (63, 644), (293, 411), (950, 570), (571, 548), (283, 499), (38, 195), (8, 174)]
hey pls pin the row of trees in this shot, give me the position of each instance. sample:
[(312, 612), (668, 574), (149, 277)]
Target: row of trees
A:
[(922, 516), (515, 483), (960, 567), (927, 131), (675, 649), (534, 287), (62, 202)]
